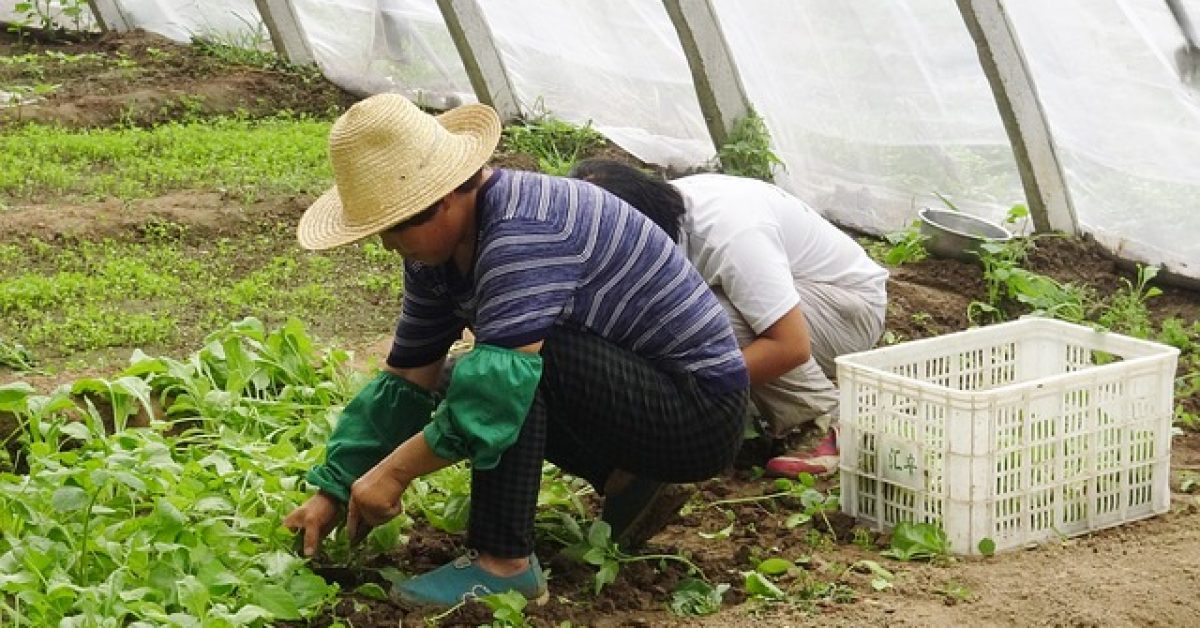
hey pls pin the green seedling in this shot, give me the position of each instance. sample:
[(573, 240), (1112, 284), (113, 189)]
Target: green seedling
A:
[(508, 609), (812, 501), (694, 597), (955, 593), (185, 527), (234, 156), (1007, 282), (917, 541), (1126, 311), (900, 247), (803, 589), (881, 579), (747, 152), (597, 548), (183, 517)]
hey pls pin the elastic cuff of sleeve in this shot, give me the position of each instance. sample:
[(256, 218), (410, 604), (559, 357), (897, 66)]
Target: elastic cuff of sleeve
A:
[(447, 445), (324, 478)]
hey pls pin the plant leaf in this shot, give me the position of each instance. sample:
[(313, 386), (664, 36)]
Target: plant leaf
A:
[(774, 566), (758, 585)]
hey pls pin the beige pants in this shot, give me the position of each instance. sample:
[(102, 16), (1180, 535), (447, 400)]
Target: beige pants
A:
[(839, 322)]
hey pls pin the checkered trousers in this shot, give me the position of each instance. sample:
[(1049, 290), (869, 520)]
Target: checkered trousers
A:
[(598, 408)]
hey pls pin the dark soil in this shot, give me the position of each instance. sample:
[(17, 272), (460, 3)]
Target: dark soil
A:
[(144, 79)]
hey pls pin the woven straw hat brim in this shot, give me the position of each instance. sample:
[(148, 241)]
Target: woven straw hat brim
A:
[(324, 224)]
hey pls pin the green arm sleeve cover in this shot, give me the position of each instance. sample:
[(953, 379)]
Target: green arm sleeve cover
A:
[(386, 412), (490, 393)]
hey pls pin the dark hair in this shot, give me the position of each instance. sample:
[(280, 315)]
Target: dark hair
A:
[(425, 215), (650, 194)]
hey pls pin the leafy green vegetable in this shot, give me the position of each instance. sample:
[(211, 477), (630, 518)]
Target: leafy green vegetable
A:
[(916, 541), (694, 597)]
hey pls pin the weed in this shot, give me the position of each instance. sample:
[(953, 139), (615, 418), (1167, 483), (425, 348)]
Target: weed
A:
[(15, 356), (1189, 481), (237, 55), (557, 145), (803, 589), (1126, 311), (1174, 332), (863, 538), (900, 247), (955, 593), (747, 152), (249, 46), (158, 54), (1006, 282)]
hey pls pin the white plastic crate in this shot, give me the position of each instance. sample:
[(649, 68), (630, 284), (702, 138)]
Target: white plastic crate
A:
[(1019, 432)]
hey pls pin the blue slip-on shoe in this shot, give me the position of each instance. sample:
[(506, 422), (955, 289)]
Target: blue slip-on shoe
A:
[(463, 579)]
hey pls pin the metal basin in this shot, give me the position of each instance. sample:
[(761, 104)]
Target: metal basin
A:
[(958, 235)]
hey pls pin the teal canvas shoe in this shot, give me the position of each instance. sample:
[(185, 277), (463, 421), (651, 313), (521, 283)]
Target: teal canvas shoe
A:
[(463, 579)]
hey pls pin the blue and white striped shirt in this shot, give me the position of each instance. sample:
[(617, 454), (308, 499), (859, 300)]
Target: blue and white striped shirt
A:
[(554, 251)]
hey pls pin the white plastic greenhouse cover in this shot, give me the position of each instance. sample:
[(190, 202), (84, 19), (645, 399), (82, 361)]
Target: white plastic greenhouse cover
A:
[(873, 105)]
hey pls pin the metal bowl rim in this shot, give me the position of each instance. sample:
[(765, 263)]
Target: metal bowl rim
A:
[(925, 211)]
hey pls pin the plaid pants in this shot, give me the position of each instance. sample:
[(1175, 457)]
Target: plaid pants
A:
[(598, 408)]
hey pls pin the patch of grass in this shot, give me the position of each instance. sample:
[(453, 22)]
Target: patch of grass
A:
[(557, 145), (232, 54), (171, 290), (253, 51), (244, 157)]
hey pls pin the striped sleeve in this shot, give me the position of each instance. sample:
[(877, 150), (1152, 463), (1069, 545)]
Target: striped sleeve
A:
[(427, 327), (528, 272)]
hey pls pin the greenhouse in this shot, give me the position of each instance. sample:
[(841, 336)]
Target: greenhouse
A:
[(192, 313)]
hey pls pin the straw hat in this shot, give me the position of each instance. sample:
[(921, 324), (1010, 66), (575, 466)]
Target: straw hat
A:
[(390, 161)]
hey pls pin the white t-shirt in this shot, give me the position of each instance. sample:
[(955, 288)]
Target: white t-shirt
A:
[(757, 242)]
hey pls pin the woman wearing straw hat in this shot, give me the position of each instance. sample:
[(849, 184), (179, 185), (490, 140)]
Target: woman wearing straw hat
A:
[(598, 347)]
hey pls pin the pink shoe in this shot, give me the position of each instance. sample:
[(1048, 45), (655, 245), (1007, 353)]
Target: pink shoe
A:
[(821, 460)]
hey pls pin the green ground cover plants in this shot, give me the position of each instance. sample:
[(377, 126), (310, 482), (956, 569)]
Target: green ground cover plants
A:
[(165, 291), (179, 520), (246, 158), (555, 144)]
